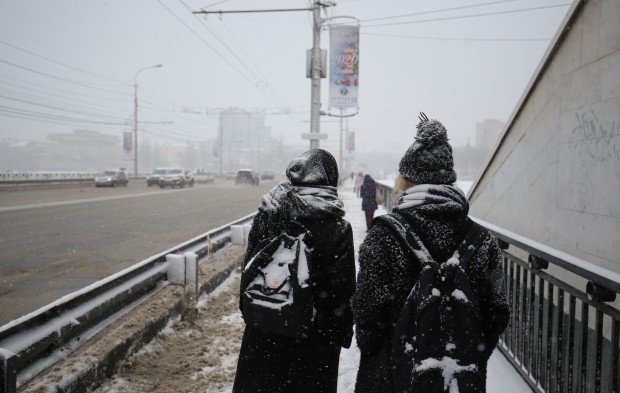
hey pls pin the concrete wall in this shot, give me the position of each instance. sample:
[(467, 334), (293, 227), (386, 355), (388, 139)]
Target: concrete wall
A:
[(555, 174)]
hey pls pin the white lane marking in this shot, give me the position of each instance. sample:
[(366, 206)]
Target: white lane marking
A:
[(80, 201)]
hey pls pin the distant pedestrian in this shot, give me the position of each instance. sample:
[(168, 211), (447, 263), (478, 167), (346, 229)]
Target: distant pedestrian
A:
[(430, 301), (357, 183), (369, 199), (352, 175), (296, 285)]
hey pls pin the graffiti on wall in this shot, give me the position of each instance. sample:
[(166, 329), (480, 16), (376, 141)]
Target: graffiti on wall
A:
[(589, 161)]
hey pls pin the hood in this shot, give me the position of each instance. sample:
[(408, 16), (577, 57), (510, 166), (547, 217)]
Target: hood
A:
[(316, 167)]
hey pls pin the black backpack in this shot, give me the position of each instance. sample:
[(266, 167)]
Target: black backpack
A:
[(276, 290), (438, 343)]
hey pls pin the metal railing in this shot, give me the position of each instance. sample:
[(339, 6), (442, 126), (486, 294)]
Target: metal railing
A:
[(560, 338), (24, 342)]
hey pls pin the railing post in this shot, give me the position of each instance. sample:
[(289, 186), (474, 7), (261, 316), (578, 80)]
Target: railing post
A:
[(8, 373), (190, 296)]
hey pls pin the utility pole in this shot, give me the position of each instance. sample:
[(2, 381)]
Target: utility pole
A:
[(341, 155), (135, 117), (316, 72), (315, 96)]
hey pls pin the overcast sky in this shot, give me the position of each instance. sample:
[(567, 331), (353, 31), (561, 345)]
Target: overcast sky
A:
[(478, 70)]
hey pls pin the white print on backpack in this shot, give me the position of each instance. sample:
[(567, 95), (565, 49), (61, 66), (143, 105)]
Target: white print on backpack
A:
[(274, 279), (449, 369)]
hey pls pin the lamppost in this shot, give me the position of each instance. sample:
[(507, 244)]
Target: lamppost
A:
[(135, 117)]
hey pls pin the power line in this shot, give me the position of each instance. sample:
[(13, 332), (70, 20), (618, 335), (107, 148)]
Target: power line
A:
[(468, 16), (221, 41), (59, 90), (114, 112), (48, 116), (53, 107), (461, 38), (57, 96), (66, 80), (212, 48), (438, 11), (63, 64)]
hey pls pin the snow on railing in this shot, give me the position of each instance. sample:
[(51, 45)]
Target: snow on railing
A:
[(560, 338), (31, 343)]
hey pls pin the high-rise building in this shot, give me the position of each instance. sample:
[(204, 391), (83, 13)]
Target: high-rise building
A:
[(487, 133), (243, 139)]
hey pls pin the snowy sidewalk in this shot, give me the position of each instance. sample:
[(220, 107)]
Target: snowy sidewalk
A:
[(501, 376), (201, 355)]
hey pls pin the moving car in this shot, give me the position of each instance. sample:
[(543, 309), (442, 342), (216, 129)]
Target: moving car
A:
[(268, 175), (111, 178), (247, 176), (176, 177), (203, 177), (153, 178)]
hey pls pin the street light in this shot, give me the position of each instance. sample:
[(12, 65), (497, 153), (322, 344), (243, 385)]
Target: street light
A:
[(135, 116)]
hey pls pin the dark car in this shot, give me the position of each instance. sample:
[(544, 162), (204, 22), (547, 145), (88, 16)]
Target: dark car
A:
[(247, 176), (268, 175), (113, 178), (176, 177)]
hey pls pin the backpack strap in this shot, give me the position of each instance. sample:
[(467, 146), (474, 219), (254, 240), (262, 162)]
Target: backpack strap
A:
[(471, 242)]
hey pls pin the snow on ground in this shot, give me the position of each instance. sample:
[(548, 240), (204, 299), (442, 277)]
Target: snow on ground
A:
[(201, 355)]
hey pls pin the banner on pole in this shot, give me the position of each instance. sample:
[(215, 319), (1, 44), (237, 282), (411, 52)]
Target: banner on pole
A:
[(343, 66), (350, 145), (127, 142)]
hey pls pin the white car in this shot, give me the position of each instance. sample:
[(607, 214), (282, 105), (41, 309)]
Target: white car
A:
[(203, 177)]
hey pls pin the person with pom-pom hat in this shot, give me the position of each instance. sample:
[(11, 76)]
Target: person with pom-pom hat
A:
[(435, 211)]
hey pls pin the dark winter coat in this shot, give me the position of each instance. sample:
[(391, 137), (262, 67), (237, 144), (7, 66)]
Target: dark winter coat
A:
[(274, 363), (368, 194), (387, 275)]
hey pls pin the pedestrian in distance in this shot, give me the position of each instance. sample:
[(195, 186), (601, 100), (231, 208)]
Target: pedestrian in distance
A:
[(430, 301), (368, 192), (296, 284), (357, 183)]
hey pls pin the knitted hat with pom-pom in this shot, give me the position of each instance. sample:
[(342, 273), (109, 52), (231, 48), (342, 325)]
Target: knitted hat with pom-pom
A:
[(429, 160)]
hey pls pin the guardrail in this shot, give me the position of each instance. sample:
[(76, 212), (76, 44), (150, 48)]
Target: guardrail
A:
[(560, 338), (27, 342)]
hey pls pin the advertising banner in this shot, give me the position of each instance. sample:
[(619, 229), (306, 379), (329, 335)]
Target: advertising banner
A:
[(350, 142), (343, 66), (127, 142)]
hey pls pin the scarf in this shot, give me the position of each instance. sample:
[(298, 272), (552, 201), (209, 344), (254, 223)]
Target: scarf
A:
[(434, 197), (286, 202)]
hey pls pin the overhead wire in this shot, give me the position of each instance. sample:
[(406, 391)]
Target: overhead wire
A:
[(214, 50), (224, 44), (43, 115), (482, 39), (439, 10), (513, 11), (66, 80), (52, 107), (63, 64)]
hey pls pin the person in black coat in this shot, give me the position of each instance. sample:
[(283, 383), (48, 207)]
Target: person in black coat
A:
[(270, 362), (437, 212), (369, 199)]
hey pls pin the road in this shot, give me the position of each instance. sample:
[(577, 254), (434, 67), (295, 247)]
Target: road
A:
[(53, 242)]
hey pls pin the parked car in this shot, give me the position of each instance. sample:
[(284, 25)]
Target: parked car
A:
[(176, 177), (153, 178), (203, 177), (268, 175), (111, 178), (247, 176)]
